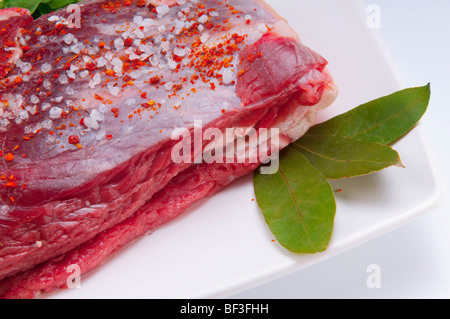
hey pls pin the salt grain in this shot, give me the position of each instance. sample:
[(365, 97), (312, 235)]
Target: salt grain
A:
[(138, 20), (203, 18), (23, 115), (97, 115), (45, 106), (102, 108), (46, 67), (43, 39), (25, 67), (95, 80), (172, 64), (205, 37), (262, 27), (109, 55), (179, 52), (34, 99), (162, 9), (47, 124), (179, 25), (119, 44), (147, 22), (91, 123), (101, 62), (162, 28), (53, 19), (55, 113), (227, 76), (84, 74), (114, 90), (47, 84), (63, 79), (68, 38)]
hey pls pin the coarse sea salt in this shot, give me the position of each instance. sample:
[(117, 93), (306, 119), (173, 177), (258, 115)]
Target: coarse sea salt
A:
[(203, 18), (227, 76), (162, 28), (97, 115), (54, 18), (46, 67), (162, 10), (55, 113), (172, 64), (91, 123), (68, 38), (118, 43), (138, 20), (34, 99), (114, 90), (101, 62), (179, 52), (205, 37), (84, 74), (45, 106)]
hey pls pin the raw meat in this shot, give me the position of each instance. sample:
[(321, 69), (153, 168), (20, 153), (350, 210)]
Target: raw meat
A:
[(88, 116)]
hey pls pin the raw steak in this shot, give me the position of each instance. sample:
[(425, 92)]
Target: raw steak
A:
[(89, 111)]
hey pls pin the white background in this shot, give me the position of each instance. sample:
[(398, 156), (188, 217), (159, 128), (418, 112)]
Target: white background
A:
[(415, 259)]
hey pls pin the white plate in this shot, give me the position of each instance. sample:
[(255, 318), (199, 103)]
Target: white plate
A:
[(222, 245)]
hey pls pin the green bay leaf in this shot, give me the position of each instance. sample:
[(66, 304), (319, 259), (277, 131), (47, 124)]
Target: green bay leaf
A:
[(383, 120), (298, 204), (37, 7), (339, 157), (31, 5)]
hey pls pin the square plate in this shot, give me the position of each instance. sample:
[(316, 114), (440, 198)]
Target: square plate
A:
[(222, 245)]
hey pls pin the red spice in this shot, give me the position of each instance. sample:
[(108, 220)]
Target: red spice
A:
[(9, 157), (141, 3), (155, 80), (91, 66), (10, 184), (18, 80), (128, 42), (74, 139)]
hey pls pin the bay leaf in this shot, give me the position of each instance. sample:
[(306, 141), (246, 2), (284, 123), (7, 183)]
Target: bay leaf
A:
[(383, 120), (298, 204), (340, 157)]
